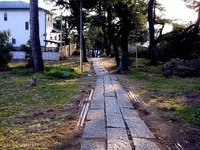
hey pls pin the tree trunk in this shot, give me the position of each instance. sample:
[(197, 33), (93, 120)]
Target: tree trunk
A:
[(116, 53), (151, 48), (84, 57), (106, 43), (185, 52), (196, 27), (123, 66), (34, 36)]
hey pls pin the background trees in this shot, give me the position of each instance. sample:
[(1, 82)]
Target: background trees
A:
[(113, 25)]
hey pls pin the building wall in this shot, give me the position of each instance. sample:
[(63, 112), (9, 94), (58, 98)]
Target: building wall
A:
[(45, 55), (16, 19), (16, 23), (49, 34)]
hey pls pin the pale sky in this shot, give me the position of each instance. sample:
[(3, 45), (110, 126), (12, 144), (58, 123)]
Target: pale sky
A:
[(175, 9)]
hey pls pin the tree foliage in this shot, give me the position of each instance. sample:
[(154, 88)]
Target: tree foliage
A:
[(5, 48)]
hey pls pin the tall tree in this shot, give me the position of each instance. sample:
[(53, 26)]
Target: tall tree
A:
[(34, 36), (74, 7), (151, 49), (131, 27), (192, 31)]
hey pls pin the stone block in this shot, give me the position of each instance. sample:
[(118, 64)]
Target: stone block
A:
[(115, 120), (129, 114), (118, 139), (94, 129), (93, 145), (144, 144), (97, 114), (99, 104), (139, 129)]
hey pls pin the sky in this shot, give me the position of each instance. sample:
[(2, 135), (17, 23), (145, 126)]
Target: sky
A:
[(175, 9)]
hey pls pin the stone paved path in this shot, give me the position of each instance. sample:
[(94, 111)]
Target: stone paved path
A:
[(112, 123)]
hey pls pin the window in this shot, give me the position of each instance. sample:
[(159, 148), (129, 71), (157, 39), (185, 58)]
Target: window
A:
[(26, 25), (13, 41), (55, 37), (5, 16)]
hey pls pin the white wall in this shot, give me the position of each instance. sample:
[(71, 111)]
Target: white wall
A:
[(16, 23), (45, 55), (18, 55), (42, 22)]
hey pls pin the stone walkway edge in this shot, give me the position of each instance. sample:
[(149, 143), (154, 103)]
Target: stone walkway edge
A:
[(112, 123)]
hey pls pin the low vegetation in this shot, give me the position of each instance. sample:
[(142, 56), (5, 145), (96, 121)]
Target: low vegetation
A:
[(38, 117), (165, 92)]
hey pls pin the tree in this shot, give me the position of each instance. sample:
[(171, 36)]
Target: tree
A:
[(131, 27), (151, 49), (5, 48), (74, 7), (192, 31), (34, 37)]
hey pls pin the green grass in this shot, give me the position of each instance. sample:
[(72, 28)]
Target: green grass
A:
[(153, 83), (189, 114), (25, 119)]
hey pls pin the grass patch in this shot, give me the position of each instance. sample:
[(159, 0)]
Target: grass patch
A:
[(165, 91), (29, 115), (190, 115)]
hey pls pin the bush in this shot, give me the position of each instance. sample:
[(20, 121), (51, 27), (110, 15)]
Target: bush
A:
[(5, 48), (29, 57), (178, 67)]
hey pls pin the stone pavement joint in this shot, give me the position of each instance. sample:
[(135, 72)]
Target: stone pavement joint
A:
[(112, 123)]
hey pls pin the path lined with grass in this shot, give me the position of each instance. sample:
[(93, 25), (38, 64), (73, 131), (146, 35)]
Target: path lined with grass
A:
[(112, 122)]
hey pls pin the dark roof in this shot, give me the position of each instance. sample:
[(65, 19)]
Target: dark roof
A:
[(14, 5), (17, 5)]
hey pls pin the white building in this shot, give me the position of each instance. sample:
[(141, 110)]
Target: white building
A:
[(14, 15)]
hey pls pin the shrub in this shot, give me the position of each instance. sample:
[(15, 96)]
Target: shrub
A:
[(29, 57), (5, 48), (173, 64), (182, 68)]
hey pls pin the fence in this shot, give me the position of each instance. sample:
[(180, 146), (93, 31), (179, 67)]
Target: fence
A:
[(45, 55)]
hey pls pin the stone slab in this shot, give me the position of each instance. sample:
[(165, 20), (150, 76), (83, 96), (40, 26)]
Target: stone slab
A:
[(109, 91), (107, 79), (129, 114), (115, 120), (144, 144), (97, 104), (139, 129), (99, 82), (96, 114), (118, 139), (94, 129), (98, 90), (113, 77), (124, 101), (98, 96), (93, 145), (125, 104), (112, 105)]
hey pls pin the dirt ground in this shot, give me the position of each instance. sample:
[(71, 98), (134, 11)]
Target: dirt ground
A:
[(171, 132)]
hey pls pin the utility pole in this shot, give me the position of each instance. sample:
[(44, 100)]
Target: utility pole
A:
[(61, 28), (81, 37)]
